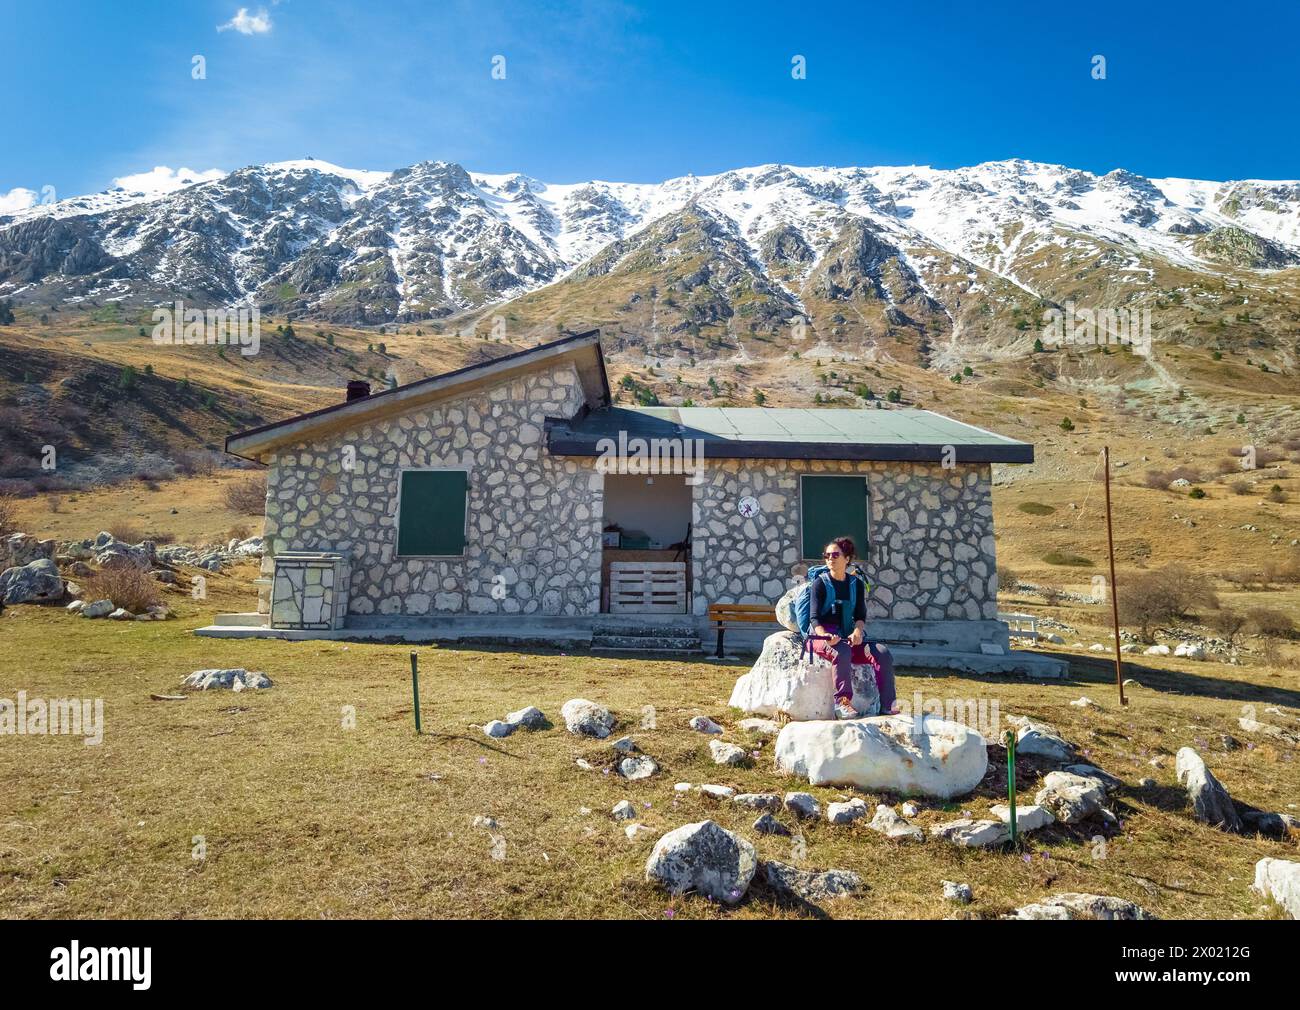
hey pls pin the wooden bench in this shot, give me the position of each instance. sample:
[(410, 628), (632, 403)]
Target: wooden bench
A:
[(738, 615)]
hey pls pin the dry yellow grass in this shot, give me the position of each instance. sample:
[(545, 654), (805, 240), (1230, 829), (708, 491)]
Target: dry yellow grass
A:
[(303, 817)]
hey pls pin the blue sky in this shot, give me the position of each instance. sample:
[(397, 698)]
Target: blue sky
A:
[(644, 91)]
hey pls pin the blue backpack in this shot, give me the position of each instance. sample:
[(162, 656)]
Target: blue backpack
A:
[(803, 602)]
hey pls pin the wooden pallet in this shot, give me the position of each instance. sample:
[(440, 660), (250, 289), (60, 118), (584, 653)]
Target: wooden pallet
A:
[(647, 587)]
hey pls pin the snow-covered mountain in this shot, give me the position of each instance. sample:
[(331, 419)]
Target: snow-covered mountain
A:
[(887, 249)]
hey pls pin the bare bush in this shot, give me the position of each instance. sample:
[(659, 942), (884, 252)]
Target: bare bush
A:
[(127, 586), (246, 496), (1052, 595), (1008, 580), (127, 532), (1167, 594), (1270, 622), (1240, 487), (1228, 624)]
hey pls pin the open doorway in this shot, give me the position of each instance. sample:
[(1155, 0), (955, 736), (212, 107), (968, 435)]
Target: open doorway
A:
[(646, 553)]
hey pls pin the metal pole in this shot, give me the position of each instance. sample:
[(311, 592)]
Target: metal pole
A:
[(1114, 596), (415, 689), (1011, 780)]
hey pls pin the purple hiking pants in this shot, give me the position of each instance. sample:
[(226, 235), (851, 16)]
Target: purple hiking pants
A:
[(873, 654)]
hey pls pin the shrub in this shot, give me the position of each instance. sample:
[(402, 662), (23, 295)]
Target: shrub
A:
[(1240, 487), (1196, 492), (127, 532), (1007, 578), (1227, 624), (1277, 495), (1167, 594), (1035, 508), (1270, 622), (1065, 558), (246, 496), (127, 586), (1052, 595)]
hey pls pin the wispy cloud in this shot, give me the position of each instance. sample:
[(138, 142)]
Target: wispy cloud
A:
[(17, 199), (162, 179), (248, 24)]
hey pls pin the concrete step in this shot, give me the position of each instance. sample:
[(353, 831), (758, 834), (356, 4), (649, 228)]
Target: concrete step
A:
[(679, 642), (1028, 664)]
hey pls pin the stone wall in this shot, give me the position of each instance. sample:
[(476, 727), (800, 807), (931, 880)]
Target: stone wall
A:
[(533, 541), (931, 556)]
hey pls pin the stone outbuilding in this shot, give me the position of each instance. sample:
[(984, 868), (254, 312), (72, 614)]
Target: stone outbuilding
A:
[(513, 501)]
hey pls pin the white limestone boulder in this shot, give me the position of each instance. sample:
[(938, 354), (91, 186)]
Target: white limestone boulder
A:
[(1279, 879), (705, 858), (785, 615), (886, 754), (1070, 798), (234, 679), (586, 718), (782, 682)]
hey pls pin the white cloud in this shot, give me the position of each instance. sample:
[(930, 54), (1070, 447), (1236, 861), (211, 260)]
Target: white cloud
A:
[(17, 199), (248, 24), (162, 179)]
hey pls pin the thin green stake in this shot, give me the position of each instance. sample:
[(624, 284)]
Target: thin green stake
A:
[(1011, 780), (415, 689)]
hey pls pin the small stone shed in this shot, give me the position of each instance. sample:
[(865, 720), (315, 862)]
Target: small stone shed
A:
[(514, 499)]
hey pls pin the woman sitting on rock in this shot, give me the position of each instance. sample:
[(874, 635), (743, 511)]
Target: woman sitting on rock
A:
[(832, 624)]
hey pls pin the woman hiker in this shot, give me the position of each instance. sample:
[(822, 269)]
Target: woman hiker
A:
[(832, 624)]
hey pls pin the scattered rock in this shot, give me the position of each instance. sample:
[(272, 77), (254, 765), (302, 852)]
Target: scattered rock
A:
[(1128, 648), (497, 729), (1084, 703), (638, 767), (972, 834), (846, 813), (19, 550), (891, 825), (1041, 740), (759, 801), (1157, 650), (791, 882), (1028, 818), (887, 754), (1211, 803), (803, 806), (960, 893), (727, 753), (717, 792), (1106, 781), (1073, 905), (625, 745), (623, 811), (704, 858), (780, 682), (704, 724), (910, 809), (1279, 879), (1147, 783), (1269, 824), (1070, 798), (528, 718), (632, 830), (237, 679), (36, 582), (769, 825), (121, 614), (763, 727), (1190, 650), (100, 608), (1252, 725), (587, 718), (76, 606), (682, 787)]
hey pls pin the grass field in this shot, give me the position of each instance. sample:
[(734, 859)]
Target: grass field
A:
[(301, 816)]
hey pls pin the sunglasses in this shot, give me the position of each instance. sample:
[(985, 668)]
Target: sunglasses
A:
[(832, 554)]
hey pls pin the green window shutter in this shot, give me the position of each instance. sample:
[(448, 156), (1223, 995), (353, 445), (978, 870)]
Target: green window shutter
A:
[(833, 507), (431, 520)]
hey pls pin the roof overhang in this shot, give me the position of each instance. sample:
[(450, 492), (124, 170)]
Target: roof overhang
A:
[(918, 436), (582, 350)]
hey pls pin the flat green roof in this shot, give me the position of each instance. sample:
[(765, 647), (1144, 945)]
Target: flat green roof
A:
[(900, 434)]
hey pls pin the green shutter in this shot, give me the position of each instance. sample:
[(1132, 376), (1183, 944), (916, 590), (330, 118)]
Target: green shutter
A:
[(833, 507), (431, 520)]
